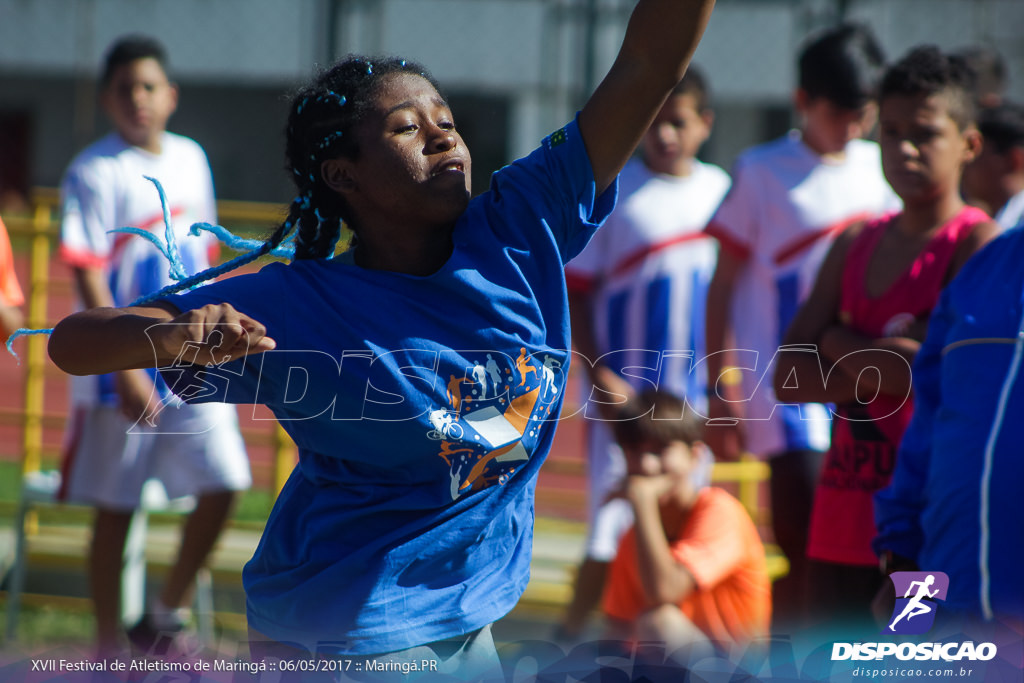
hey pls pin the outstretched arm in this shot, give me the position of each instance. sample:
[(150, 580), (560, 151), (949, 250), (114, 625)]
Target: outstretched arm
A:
[(661, 37), (101, 340)]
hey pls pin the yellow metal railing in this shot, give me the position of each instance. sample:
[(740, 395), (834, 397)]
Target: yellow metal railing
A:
[(41, 228), (35, 354)]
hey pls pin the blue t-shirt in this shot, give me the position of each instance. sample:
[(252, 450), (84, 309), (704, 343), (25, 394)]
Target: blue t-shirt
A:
[(422, 408)]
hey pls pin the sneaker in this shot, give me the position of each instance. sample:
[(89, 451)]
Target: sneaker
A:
[(150, 641)]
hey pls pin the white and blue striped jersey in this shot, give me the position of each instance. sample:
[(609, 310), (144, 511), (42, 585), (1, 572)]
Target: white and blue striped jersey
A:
[(647, 272)]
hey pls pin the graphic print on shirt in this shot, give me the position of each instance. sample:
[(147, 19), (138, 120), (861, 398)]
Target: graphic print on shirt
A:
[(491, 423)]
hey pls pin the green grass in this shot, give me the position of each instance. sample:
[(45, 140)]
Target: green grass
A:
[(69, 623), (43, 626), (252, 507)]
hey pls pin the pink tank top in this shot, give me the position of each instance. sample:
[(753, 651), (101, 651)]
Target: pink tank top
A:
[(865, 438)]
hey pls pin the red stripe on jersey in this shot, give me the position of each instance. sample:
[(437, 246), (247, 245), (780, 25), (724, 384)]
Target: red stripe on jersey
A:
[(805, 242), (80, 258), (578, 284), (728, 243), (637, 257)]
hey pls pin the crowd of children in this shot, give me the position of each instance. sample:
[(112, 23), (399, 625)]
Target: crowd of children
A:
[(844, 269)]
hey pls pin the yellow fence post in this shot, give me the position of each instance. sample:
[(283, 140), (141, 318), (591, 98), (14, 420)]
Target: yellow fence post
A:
[(35, 354)]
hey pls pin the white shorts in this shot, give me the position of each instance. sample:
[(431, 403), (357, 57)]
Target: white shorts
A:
[(194, 449), (609, 518)]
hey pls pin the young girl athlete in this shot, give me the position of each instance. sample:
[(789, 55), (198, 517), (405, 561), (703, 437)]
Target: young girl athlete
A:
[(421, 373)]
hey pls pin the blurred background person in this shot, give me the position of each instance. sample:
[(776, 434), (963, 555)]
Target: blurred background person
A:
[(994, 181), (789, 199), (120, 433), (990, 73)]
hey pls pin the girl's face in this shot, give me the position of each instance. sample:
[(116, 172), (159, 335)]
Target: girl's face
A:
[(413, 167), (923, 148)]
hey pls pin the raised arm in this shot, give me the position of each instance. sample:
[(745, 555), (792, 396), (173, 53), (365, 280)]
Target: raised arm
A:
[(661, 37)]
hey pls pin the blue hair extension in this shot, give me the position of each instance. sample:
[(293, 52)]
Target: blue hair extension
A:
[(188, 283), (169, 247), (184, 282), (232, 241), (22, 332), (177, 267), (208, 274), (176, 271)]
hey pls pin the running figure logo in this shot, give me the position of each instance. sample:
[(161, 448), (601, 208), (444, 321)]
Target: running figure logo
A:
[(916, 593)]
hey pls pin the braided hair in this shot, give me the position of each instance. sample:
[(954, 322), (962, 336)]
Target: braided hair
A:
[(320, 123)]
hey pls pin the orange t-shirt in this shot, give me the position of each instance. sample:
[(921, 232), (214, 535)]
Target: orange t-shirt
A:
[(720, 547), (10, 292)]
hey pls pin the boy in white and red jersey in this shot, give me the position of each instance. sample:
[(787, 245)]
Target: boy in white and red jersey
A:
[(788, 200), (122, 432), (637, 300)]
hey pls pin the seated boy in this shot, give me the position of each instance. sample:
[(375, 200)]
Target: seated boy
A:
[(692, 569)]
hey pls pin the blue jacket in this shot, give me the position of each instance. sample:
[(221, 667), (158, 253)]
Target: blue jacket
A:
[(956, 500)]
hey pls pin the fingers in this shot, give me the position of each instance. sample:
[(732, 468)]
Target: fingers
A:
[(211, 335)]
